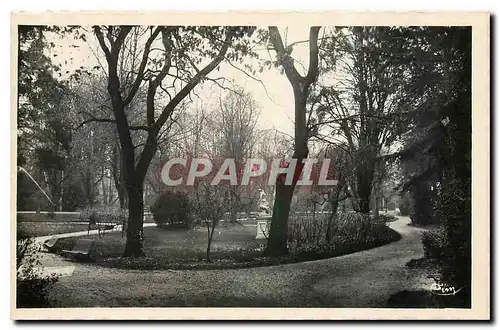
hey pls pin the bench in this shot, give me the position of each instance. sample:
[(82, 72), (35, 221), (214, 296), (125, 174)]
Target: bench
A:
[(50, 244), (253, 215), (84, 249)]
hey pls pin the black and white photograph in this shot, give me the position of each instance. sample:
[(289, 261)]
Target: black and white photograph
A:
[(297, 161)]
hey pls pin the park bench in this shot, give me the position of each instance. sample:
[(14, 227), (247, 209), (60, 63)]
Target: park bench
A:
[(253, 215), (101, 227), (50, 244), (108, 226), (84, 249), (105, 222)]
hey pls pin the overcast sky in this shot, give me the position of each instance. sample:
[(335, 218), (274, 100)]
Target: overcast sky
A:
[(276, 104)]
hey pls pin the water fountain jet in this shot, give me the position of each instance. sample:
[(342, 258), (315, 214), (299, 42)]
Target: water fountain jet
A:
[(22, 169)]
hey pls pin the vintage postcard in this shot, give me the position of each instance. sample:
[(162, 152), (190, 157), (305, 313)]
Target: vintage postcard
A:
[(251, 165)]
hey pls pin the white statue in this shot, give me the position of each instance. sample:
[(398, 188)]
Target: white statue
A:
[(262, 204), (263, 219)]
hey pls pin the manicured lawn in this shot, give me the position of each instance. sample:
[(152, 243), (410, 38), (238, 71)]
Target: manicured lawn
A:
[(48, 228), (182, 244), (177, 245), (233, 246), (43, 217), (33, 224)]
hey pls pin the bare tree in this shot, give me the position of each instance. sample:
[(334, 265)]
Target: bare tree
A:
[(211, 204), (184, 48), (362, 109), (235, 121)]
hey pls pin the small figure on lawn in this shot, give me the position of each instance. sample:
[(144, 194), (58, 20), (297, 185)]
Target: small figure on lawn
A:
[(92, 221)]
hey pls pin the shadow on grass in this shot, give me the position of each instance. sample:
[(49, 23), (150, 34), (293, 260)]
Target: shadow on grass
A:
[(421, 263), (423, 299), (232, 248), (430, 226), (198, 301)]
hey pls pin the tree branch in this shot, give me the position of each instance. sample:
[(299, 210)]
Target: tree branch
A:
[(102, 42), (107, 120), (254, 78), (142, 66), (313, 70), (194, 81), (283, 55), (122, 34)]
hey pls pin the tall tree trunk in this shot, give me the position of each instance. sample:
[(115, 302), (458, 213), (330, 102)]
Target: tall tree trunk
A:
[(365, 173), (134, 183), (122, 191), (135, 192), (278, 232), (133, 247), (118, 177), (364, 203)]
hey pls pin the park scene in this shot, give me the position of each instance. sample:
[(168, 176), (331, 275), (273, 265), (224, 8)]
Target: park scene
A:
[(243, 166)]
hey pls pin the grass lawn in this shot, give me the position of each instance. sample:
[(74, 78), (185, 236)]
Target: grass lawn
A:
[(33, 224), (43, 217), (233, 246), (48, 228), (167, 246), (185, 244)]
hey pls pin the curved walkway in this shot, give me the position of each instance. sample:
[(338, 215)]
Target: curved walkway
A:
[(41, 239), (362, 279)]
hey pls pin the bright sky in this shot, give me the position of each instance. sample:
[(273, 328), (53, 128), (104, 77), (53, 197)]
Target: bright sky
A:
[(276, 104)]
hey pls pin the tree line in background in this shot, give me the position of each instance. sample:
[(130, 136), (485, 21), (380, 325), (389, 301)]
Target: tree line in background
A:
[(390, 106)]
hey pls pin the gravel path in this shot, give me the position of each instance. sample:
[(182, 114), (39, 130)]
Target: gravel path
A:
[(362, 279)]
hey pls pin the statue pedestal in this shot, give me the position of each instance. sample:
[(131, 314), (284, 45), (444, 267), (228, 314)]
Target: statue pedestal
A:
[(263, 224)]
